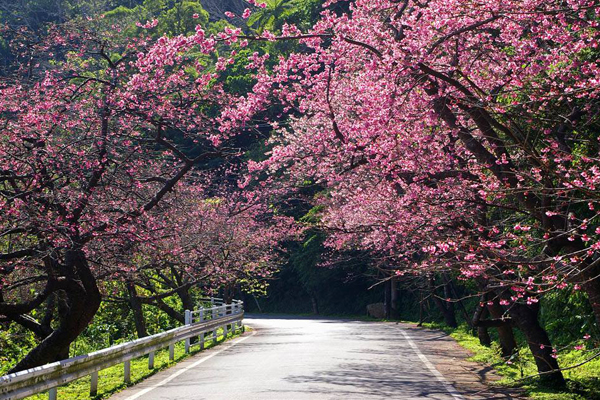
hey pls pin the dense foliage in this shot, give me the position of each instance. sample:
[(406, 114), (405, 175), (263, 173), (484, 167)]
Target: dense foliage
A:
[(456, 139), (113, 152)]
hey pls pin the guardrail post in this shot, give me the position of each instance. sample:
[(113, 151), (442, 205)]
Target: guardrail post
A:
[(188, 321), (94, 384), (52, 394), (202, 334), (240, 311), (151, 360), (225, 326), (171, 352), (241, 323), (214, 313), (127, 371), (233, 312)]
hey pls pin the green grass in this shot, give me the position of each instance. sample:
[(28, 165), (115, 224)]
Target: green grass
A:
[(110, 380), (583, 382)]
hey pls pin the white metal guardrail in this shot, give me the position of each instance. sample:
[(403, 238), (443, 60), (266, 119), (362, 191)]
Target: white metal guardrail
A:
[(50, 376)]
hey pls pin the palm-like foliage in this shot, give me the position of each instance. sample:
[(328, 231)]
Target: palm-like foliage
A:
[(275, 10)]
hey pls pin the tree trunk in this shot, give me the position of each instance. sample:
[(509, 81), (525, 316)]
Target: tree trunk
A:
[(184, 290), (484, 336), (421, 307), (46, 322), (445, 307), (506, 337), (83, 298), (227, 294), (526, 318), (482, 331), (177, 316), (447, 311), (138, 312), (592, 288), (188, 302), (186, 299), (395, 312), (315, 304), (450, 284), (387, 299)]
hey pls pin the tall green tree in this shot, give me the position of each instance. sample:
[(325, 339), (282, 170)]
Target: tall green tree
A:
[(275, 10)]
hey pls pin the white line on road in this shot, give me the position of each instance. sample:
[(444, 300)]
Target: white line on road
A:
[(181, 371), (433, 370)]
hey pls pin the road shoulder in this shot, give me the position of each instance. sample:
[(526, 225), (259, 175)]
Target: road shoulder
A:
[(473, 380)]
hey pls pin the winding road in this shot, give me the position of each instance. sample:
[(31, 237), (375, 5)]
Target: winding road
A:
[(300, 358)]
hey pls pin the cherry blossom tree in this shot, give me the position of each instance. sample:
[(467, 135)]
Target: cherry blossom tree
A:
[(473, 130), (96, 132), (203, 244)]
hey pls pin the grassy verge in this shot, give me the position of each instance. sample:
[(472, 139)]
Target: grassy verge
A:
[(110, 380), (583, 382)]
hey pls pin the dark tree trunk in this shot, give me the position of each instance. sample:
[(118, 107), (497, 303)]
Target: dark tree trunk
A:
[(387, 299), (447, 311), (591, 286), (421, 309), (395, 303), (41, 329), (463, 309), (82, 299), (137, 310), (63, 353), (169, 311), (445, 307), (526, 318), (184, 291), (315, 304), (506, 337), (63, 308), (482, 331), (46, 322), (186, 299), (484, 336), (228, 293)]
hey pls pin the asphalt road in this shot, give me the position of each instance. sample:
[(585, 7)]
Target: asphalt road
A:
[(297, 359)]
